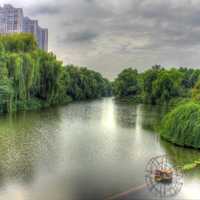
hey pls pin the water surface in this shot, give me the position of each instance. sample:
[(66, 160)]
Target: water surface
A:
[(86, 150)]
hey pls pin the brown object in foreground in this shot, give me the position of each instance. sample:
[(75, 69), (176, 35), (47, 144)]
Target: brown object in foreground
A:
[(163, 175)]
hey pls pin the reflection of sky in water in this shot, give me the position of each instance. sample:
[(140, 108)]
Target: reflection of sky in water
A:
[(191, 190), (108, 116), (81, 151)]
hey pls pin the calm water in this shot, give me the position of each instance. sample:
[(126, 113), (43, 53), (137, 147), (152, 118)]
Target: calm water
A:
[(86, 150)]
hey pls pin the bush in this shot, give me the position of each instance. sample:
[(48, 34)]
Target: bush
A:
[(182, 125)]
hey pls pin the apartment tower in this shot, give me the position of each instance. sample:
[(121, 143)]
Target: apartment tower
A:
[(12, 20)]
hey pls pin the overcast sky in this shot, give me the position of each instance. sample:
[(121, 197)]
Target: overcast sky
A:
[(109, 35)]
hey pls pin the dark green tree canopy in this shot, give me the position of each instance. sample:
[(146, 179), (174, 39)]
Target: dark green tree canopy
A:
[(156, 85), (127, 84)]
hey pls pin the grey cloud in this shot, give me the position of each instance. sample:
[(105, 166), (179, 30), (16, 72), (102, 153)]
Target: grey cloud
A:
[(132, 29), (79, 37), (45, 9)]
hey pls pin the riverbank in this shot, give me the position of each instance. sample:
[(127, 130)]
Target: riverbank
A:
[(181, 126), (180, 123)]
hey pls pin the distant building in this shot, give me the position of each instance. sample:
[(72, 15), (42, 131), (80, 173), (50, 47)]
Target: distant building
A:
[(12, 20), (41, 34), (43, 38)]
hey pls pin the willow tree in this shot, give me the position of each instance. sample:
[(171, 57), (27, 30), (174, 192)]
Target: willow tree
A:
[(31, 78), (6, 90)]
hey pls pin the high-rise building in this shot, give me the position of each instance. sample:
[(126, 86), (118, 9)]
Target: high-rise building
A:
[(41, 34), (12, 20), (43, 38)]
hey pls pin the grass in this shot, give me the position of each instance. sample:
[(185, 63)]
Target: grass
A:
[(181, 126)]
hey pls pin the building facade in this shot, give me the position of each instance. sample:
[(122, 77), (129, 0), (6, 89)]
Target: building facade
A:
[(12, 20)]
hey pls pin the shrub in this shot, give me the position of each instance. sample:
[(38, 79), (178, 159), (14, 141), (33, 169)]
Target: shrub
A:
[(181, 126)]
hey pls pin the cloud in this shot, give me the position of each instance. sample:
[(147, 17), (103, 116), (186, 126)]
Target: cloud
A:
[(45, 9), (113, 33), (79, 37)]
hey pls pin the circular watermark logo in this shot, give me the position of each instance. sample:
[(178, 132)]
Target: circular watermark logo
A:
[(162, 178)]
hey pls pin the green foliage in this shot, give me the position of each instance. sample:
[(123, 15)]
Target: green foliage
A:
[(188, 167), (191, 166), (31, 78), (182, 125), (86, 84), (166, 86), (149, 77), (196, 92), (178, 100), (157, 85), (190, 77), (127, 83), (18, 42)]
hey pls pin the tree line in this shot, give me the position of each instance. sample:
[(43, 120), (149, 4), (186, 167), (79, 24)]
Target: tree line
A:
[(31, 78), (158, 85)]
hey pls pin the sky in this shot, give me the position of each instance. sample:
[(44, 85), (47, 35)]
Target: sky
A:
[(110, 35)]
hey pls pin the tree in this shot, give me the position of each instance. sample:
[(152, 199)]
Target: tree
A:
[(196, 92), (19, 42), (150, 76), (6, 91), (86, 84), (127, 84)]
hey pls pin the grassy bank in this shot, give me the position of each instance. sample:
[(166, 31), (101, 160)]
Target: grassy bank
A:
[(181, 126)]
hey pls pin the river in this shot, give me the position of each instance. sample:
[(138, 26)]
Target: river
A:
[(84, 151)]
